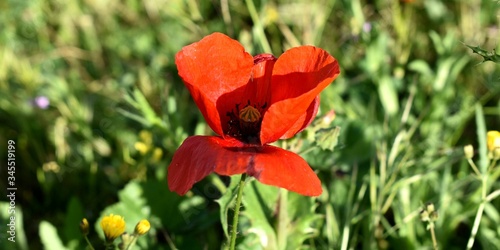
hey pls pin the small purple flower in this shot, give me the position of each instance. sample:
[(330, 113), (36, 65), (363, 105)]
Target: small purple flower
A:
[(367, 27), (42, 102)]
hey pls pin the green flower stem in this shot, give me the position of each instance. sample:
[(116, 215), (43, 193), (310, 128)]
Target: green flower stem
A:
[(474, 167), (492, 165), (479, 213), (132, 242), (88, 242), (109, 245), (283, 222), (433, 235), (485, 198), (237, 211), (493, 195)]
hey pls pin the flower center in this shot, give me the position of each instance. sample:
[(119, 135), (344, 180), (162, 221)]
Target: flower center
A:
[(249, 114), (244, 124)]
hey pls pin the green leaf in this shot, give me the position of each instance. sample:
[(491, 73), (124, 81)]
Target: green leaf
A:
[(145, 107), (327, 138), (376, 55), (492, 212), (421, 67), (259, 204), (50, 238), (302, 219), (388, 95), (487, 56), (332, 226), (74, 214), (148, 116), (443, 73), (302, 229), (20, 236), (166, 207), (356, 140)]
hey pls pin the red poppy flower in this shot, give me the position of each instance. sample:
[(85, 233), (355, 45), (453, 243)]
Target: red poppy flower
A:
[(250, 102)]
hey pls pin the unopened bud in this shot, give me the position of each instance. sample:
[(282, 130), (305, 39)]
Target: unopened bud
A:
[(424, 215), (84, 226), (142, 227), (430, 207), (469, 151), (428, 213)]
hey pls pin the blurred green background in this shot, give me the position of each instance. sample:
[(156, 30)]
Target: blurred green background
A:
[(90, 94)]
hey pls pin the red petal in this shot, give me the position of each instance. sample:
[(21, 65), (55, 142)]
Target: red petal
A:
[(281, 168), (197, 157), (299, 75), (258, 88), (304, 120), (215, 66), (256, 91)]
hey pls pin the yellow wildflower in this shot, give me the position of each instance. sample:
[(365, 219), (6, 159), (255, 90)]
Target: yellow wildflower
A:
[(142, 147), (157, 154), (493, 140), (142, 227), (113, 226)]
